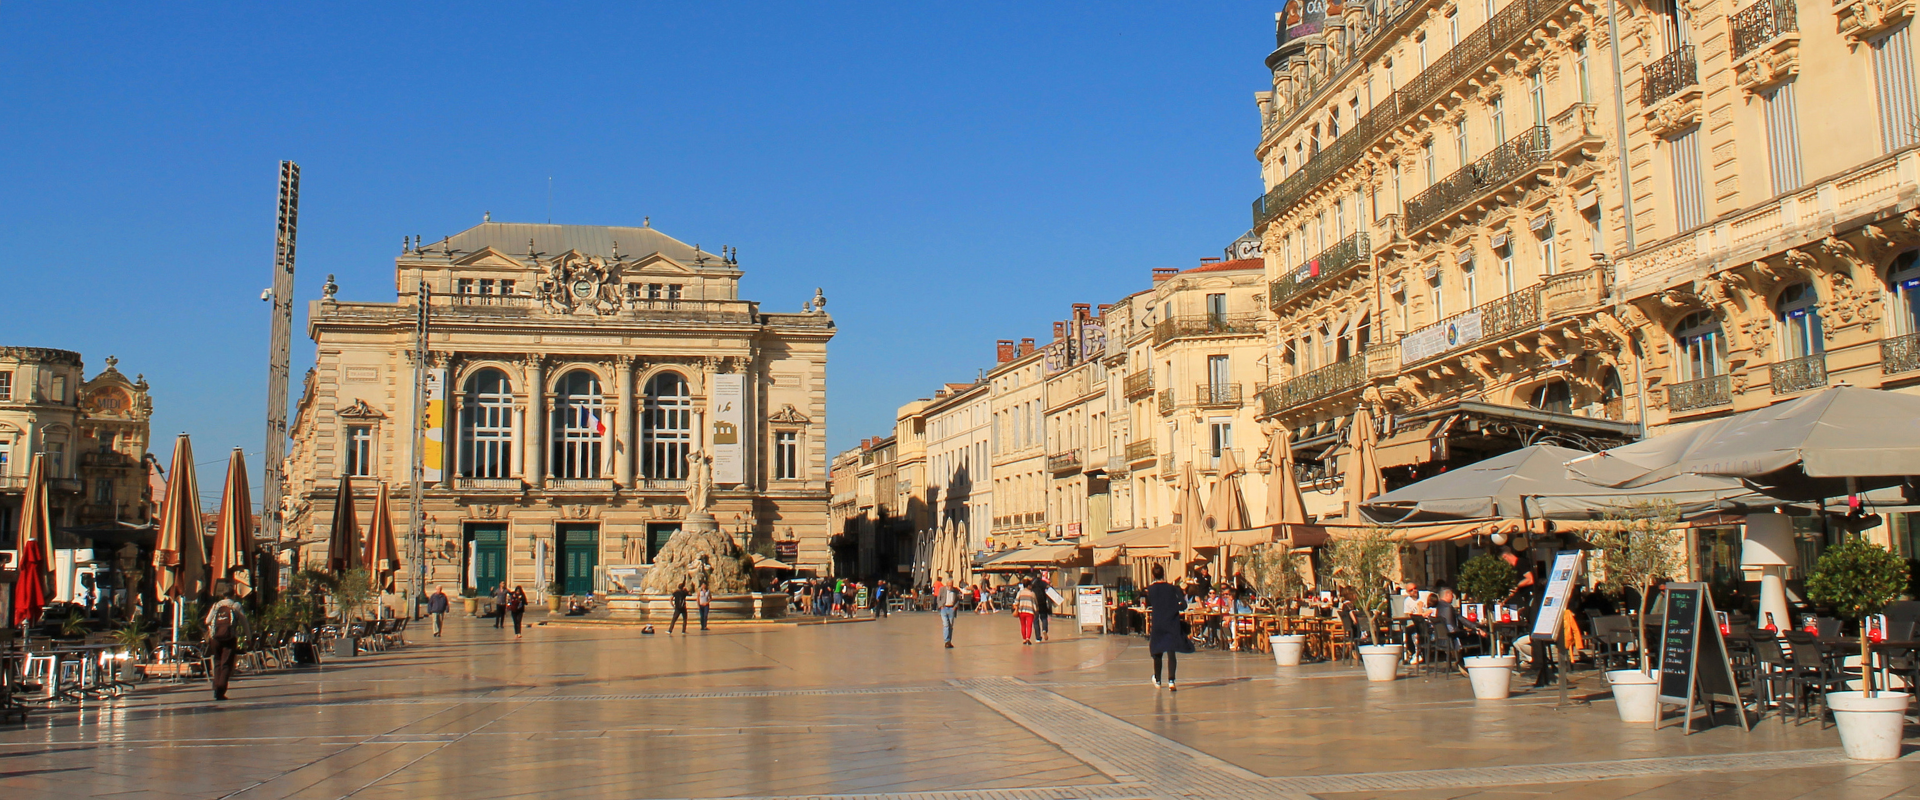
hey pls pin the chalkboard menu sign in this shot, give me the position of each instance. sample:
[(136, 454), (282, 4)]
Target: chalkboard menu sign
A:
[(1693, 656)]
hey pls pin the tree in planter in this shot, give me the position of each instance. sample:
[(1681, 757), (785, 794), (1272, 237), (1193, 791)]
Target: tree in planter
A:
[(1640, 546), (1276, 571), (353, 593), (1365, 562), (1858, 578), (1487, 578)]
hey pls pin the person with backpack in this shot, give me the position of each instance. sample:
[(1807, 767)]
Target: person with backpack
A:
[(226, 623)]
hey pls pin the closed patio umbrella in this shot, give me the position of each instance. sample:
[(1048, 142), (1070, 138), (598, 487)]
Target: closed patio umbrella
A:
[(383, 556), (1829, 443), (1363, 468), (1193, 531), (343, 539), (35, 569), (1229, 507), (1284, 504), (179, 550), (233, 532)]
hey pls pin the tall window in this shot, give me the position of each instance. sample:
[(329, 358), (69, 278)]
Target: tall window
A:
[(1439, 297), (786, 455), (1799, 318), (359, 450), (486, 426), (1426, 157), (1497, 115), (1421, 45), (666, 428), (103, 491), (6, 458), (1580, 52), (1893, 85), (1683, 151), (1460, 143), (1553, 396), (1219, 438), (1903, 280), (1470, 281), (1703, 347), (6, 385), (57, 459), (1783, 138), (579, 426), (1217, 309), (1544, 235), (1505, 253), (1537, 94)]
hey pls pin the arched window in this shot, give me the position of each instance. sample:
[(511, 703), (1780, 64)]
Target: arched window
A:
[(1703, 347), (1903, 280), (666, 428), (1799, 318), (486, 426), (578, 427), (1554, 396)]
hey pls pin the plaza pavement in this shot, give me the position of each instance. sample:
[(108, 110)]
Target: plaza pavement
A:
[(879, 709)]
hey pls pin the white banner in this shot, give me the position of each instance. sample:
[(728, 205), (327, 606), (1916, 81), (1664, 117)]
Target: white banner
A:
[(433, 426), (726, 412), (1435, 339)]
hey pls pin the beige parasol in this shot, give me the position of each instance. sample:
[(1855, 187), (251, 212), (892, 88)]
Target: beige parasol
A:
[(343, 539), (383, 555), (1193, 526), (1363, 467), (180, 551), (233, 532)]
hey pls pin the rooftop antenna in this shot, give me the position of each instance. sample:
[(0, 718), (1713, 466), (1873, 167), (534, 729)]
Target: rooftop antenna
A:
[(549, 199)]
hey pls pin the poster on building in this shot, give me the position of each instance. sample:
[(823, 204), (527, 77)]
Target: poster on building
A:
[(1093, 339), (726, 412), (1439, 338), (433, 426), (1308, 17)]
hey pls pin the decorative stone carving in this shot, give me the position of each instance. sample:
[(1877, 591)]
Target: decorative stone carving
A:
[(789, 415), (1861, 20), (360, 410), (1769, 66), (575, 283), (1676, 113)]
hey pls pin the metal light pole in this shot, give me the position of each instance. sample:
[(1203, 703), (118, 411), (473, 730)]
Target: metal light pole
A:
[(279, 353), (416, 519)]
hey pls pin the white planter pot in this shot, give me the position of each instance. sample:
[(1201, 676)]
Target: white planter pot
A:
[(1636, 695), (1381, 660), (1870, 727), (1288, 649), (1492, 676)]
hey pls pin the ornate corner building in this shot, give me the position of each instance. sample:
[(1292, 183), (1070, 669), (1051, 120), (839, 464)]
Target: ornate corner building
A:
[(569, 372)]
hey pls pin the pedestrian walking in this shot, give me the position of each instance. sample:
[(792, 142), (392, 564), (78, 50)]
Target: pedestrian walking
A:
[(517, 606), (1165, 637), (848, 593), (500, 593), (225, 622), (1024, 608), (705, 600), (837, 591), (879, 599), (437, 608), (948, 598), (679, 609), (1043, 607)]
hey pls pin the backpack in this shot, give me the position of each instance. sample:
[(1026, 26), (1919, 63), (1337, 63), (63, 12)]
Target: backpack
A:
[(223, 624)]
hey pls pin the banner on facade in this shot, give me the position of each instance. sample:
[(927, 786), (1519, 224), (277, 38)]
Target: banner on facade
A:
[(433, 427), (726, 412), (1438, 338)]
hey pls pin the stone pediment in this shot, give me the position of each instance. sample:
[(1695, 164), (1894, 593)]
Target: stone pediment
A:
[(360, 410), (657, 264), (490, 257), (789, 415)]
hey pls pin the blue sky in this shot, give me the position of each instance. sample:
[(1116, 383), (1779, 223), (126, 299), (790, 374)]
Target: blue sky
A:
[(951, 174)]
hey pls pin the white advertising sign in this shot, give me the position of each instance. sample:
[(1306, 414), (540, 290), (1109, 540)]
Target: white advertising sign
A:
[(1438, 338), (1090, 605), (726, 413), (1559, 589)]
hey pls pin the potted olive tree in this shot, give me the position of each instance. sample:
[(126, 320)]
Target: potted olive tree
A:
[(1637, 548), (1276, 574), (351, 596), (1857, 578), (1365, 563), (1487, 578)]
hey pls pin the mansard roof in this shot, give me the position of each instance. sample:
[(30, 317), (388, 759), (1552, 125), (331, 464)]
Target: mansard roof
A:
[(590, 240)]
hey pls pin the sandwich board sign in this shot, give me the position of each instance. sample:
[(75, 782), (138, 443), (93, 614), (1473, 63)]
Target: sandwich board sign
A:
[(1693, 657), (1090, 606)]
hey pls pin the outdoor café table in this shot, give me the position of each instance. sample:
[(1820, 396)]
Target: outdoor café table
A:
[(1883, 654), (1504, 634), (88, 658)]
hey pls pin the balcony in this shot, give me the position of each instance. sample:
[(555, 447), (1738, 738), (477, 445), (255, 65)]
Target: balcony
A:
[(661, 484), (18, 483), (1166, 402), (67, 485), (488, 484), (1512, 160), (1334, 262), (1184, 327), (1799, 374), (580, 485), (1512, 25), (1210, 459), (1760, 23), (1900, 354), (1217, 395), (1166, 468), (1137, 385), (1064, 462), (107, 460), (1703, 393), (1139, 451), (1332, 379), (1665, 78)]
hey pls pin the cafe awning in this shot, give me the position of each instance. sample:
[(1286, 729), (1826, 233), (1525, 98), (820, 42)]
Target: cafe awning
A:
[(1414, 445), (1024, 558), (1156, 542), (1292, 535)]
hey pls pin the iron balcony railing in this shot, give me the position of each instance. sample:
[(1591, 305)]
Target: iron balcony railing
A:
[(1167, 330), (1761, 23), (1139, 451), (1512, 159), (1166, 401), (1900, 354), (1335, 261), (1500, 318), (1217, 395), (1138, 384), (1703, 393), (1326, 381), (1799, 374), (1064, 462), (488, 484), (1665, 78), (1507, 28)]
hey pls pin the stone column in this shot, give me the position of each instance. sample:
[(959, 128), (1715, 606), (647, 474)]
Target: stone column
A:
[(535, 461), (622, 424)]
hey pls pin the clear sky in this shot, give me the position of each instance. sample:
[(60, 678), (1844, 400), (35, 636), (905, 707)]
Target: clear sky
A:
[(950, 174)]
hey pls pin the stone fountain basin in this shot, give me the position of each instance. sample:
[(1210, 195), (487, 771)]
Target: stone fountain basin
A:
[(659, 607)]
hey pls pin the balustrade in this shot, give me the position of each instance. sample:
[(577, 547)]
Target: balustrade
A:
[(1799, 374), (1182, 327), (1340, 259), (1761, 23), (1900, 354), (1703, 393), (1217, 395), (1665, 78), (1512, 159)]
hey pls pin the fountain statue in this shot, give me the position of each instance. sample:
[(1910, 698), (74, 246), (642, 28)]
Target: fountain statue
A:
[(700, 551)]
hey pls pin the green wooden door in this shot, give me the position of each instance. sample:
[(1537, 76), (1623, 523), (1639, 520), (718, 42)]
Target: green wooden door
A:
[(579, 554), (489, 555)]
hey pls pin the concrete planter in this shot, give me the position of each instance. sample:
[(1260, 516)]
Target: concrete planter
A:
[(1382, 661), (346, 647), (1288, 648), (1636, 695), (553, 602), (1492, 676), (1870, 727), (473, 606)]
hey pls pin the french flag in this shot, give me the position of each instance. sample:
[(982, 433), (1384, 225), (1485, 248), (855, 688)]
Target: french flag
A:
[(599, 425)]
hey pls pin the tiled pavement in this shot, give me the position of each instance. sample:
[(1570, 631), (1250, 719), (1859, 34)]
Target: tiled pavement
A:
[(879, 710)]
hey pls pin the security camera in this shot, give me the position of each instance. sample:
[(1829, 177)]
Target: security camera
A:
[(266, 294)]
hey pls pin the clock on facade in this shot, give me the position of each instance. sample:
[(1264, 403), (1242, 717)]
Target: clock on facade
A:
[(583, 288)]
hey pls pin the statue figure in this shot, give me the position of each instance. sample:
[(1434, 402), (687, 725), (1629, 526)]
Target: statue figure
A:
[(699, 482)]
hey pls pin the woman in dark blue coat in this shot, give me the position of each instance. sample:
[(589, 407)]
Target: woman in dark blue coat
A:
[(1165, 635)]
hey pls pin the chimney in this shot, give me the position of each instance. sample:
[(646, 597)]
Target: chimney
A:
[(1208, 260), (1059, 331), (1081, 310), (1026, 347), (1163, 273), (1003, 351), (1103, 309)]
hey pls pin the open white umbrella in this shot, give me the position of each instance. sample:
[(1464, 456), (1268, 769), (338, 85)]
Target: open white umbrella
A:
[(1533, 483)]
